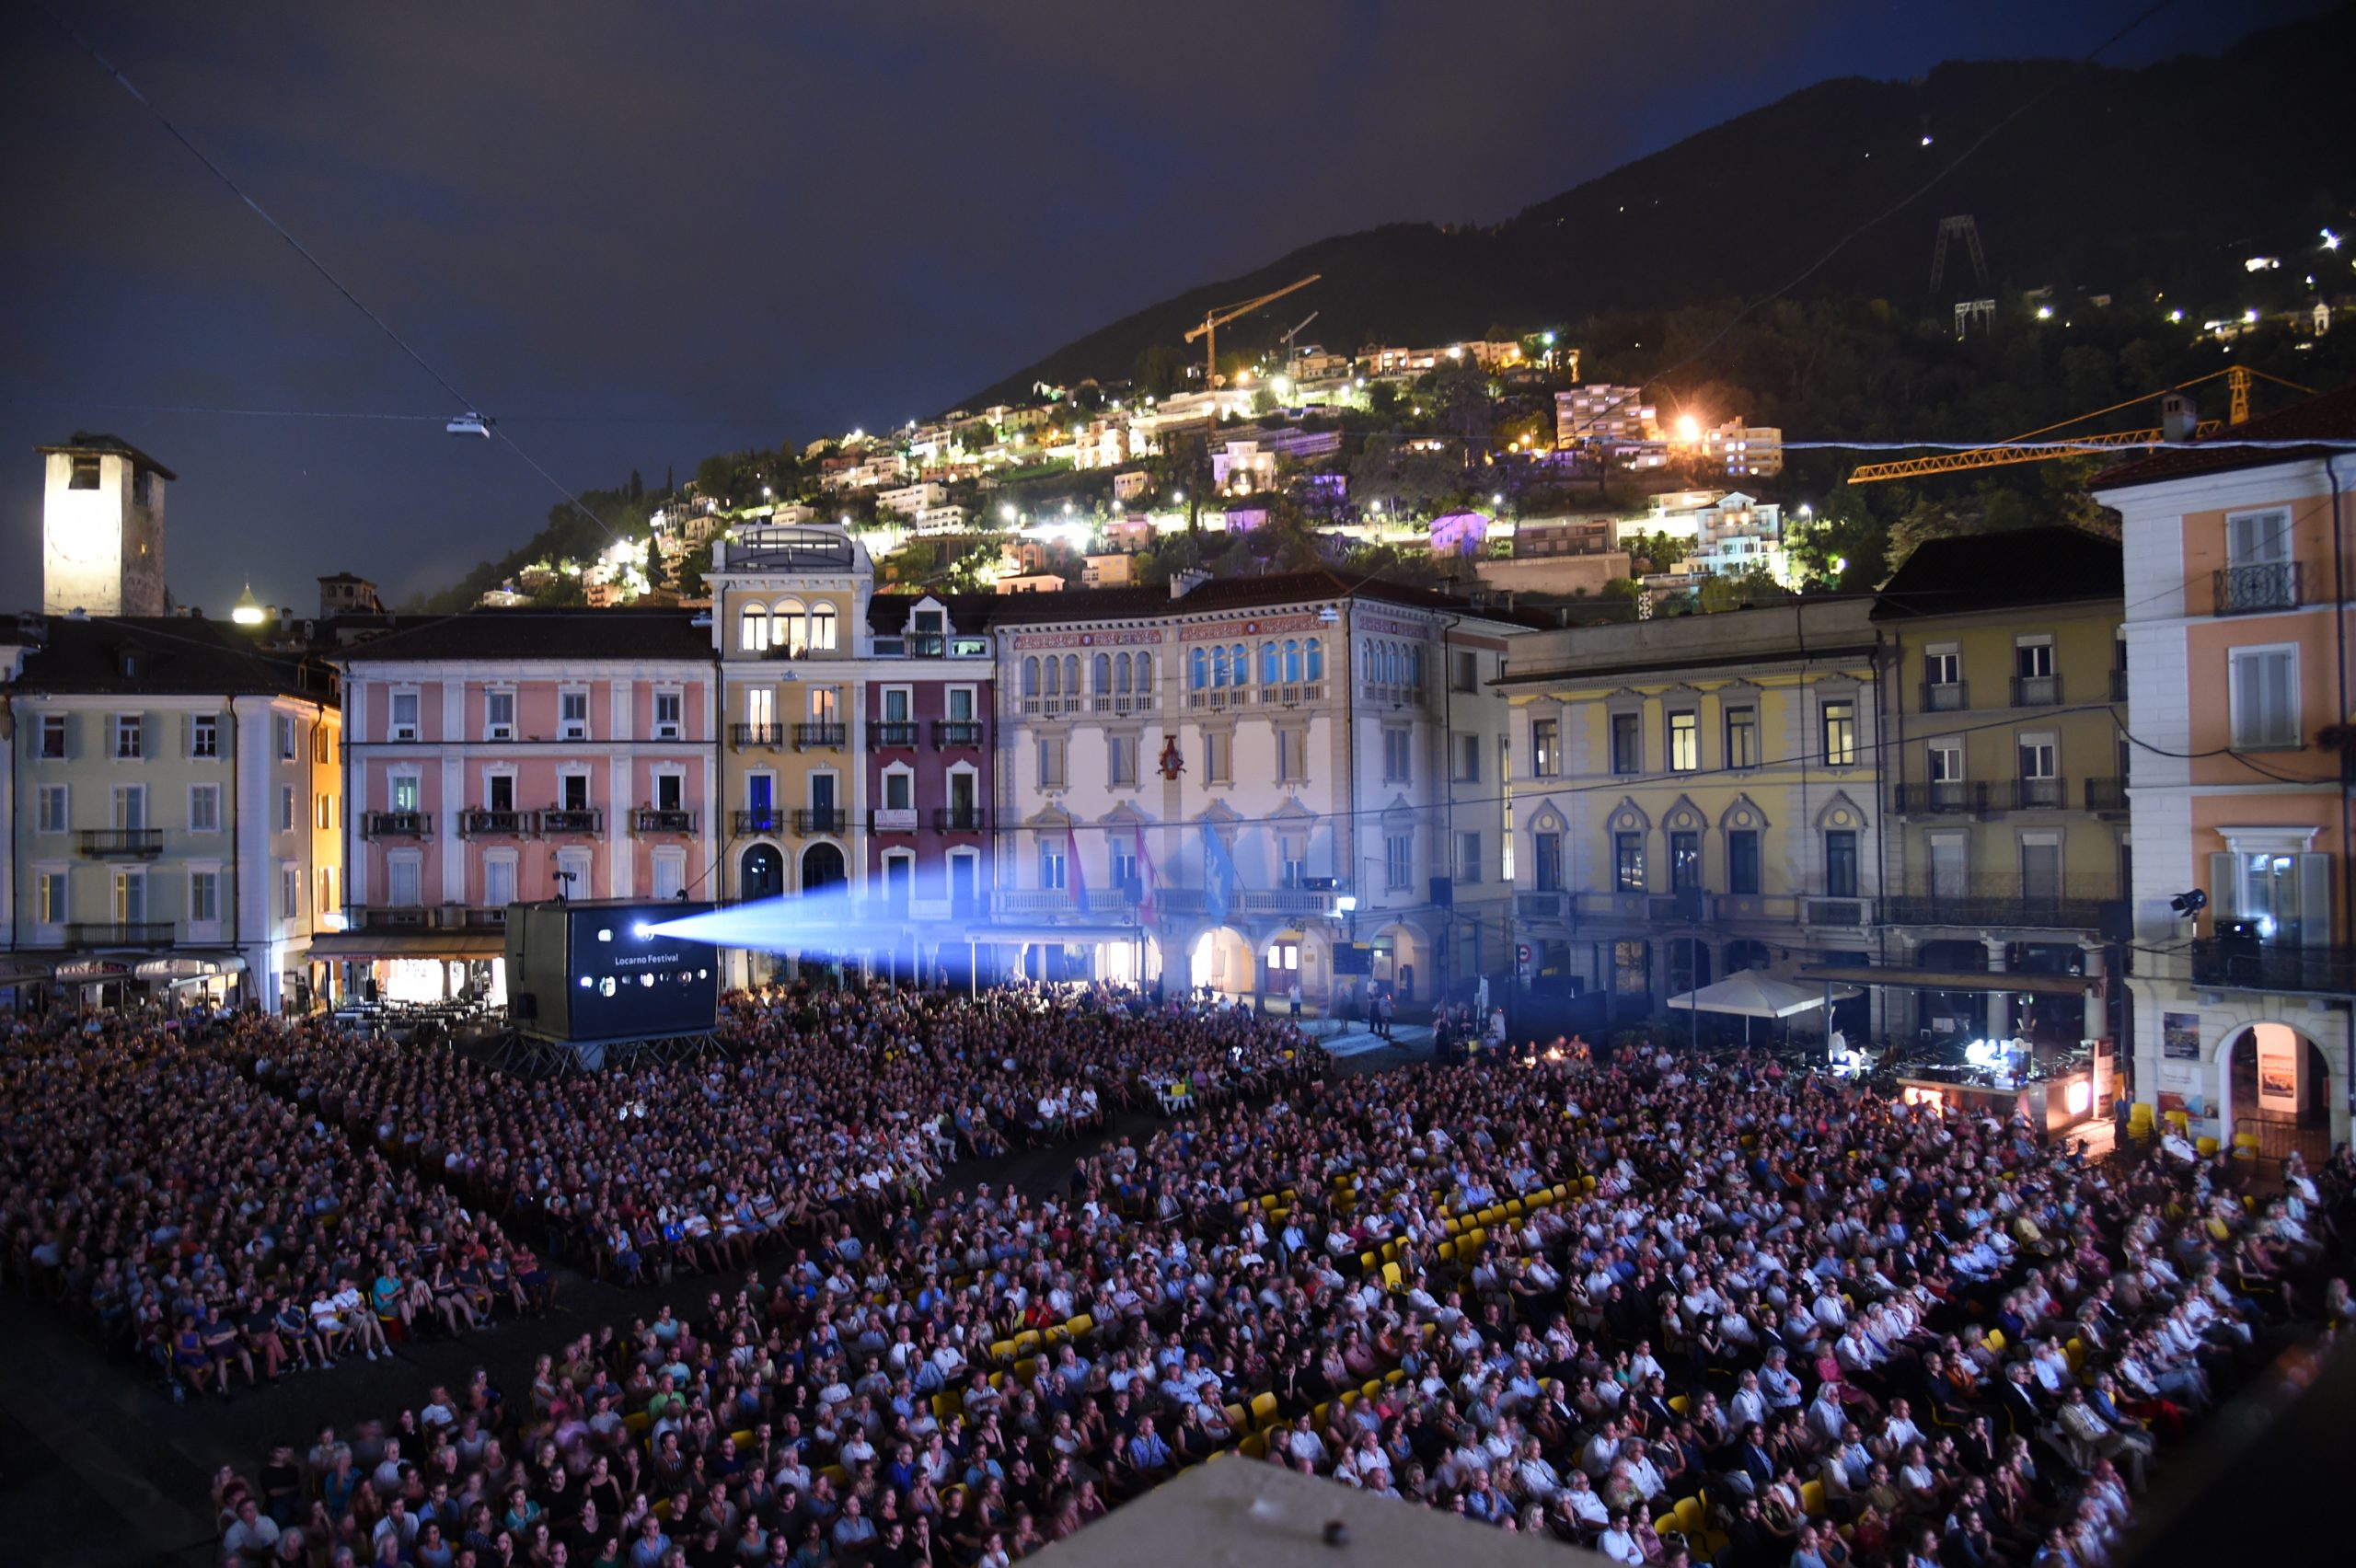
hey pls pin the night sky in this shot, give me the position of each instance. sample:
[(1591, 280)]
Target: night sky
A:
[(641, 232)]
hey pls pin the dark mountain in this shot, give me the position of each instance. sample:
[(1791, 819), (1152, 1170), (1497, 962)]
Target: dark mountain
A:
[(2107, 181)]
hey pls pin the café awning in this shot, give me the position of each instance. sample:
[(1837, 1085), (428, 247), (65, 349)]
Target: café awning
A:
[(186, 967), (409, 944), (14, 971), (1752, 994), (1952, 979)]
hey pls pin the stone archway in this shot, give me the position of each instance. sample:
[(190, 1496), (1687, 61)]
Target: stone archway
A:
[(822, 866), (761, 873), (1221, 958), (2274, 1081)]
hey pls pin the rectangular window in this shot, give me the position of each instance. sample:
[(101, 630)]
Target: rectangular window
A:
[(573, 714), (2033, 658), (1292, 756), (499, 715), (204, 808), (1841, 863), (53, 814), (1627, 742), (1628, 863), (2264, 698), (670, 793), (402, 793), (895, 704), (670, 873), (1051, 762), (1684, 742), (322, 813), (1943, 762), (1468, 858), (1841, 733), (402, 882), (205, 734), (1463, 670), (286, 807), (1121, 760), (572, 791), (2258, 538), (1545, 747), (1684, 862), (1468, 759), (1292, 863), (290, 893), (404, 715), (205, 896), (49, 898), (1742, 737), (1942, 666), (960, 705), (2037, 755), (499, 882), (320, 744), (1546, 873), (53, 737), (130, 897), (131, 805), (1742, 860), (327, 890), (667, 708), (826, 704), (285, 737), (1398, 861), (899, 792), (84, 475), (1051, 864), (1398, 756), (129, 736), (1218, 758)]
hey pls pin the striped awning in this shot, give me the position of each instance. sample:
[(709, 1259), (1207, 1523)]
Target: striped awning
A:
[(409, 944), (1952, 979)]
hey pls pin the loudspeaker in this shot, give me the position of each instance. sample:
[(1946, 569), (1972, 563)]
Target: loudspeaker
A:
[(1444, 892), (2115, 921)]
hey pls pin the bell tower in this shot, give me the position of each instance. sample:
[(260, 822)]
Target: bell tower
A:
[(102, 528)]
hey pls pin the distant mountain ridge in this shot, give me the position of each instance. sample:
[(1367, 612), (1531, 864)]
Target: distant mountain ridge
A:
[(2113, 180)]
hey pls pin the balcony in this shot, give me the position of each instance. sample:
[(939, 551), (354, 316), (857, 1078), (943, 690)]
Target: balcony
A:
[(1120, 704), (2254, 590), (495, 824), (1942, 796), (2106, 797), (120, 843), (1397, 696), (581, 820), (2036, 691), (2048, 794), (1997, 899), (119, 934), (1050, 707), (818, 819), (1551, 905), (1946, 696), (1286, 901), (395, 825), (948, 732), (1754, 908), (957, 819), (760, 819), (756, 735), (1292, 694), (1841, 914), (1033, 901), (817, 734), (2239, 965), (1218, 699), (890, 733), (889, 819), (655, 820)]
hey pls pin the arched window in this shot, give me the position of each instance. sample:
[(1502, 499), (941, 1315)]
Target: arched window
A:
[(1197, 670), (1316, 660), (1219, 665), (1054, 678), (789, 631), (1103, 673), (1415, 665), (1243, 665), (822, 628), (1121, 675), (754, 637), (1071, 674), (1292, 659), (1031, 675), (1145, 673), (1368, 669), (1267, 664)]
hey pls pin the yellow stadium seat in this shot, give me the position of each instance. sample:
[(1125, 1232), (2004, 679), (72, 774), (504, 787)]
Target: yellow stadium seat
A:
[(1081, 1326), (1264, 1409), (1256, 1446), (1812, 1499)]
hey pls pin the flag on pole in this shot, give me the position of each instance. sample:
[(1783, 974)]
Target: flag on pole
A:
[(1219, 876), (1146, 911), (1075, 879)]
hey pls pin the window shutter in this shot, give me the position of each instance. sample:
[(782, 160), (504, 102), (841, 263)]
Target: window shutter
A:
[(2315, 901), (188, 735), (2224, 888)]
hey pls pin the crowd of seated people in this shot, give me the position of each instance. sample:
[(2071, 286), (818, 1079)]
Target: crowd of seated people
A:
[(823, 1110), (191, 1221), (1759, 1320)]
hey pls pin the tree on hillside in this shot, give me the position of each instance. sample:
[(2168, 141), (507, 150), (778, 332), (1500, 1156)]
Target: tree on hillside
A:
[(1457, 394), (1160, 371)]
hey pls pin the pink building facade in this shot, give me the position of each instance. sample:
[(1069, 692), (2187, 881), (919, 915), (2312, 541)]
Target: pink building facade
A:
[(508, 757)]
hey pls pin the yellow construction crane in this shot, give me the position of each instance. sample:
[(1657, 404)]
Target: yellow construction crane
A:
[(1213, 320), (2027, 449)]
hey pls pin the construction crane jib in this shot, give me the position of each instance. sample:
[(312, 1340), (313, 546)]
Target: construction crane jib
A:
[(1213, 320)]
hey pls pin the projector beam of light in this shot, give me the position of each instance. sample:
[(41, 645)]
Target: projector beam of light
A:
[(820, 922)]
